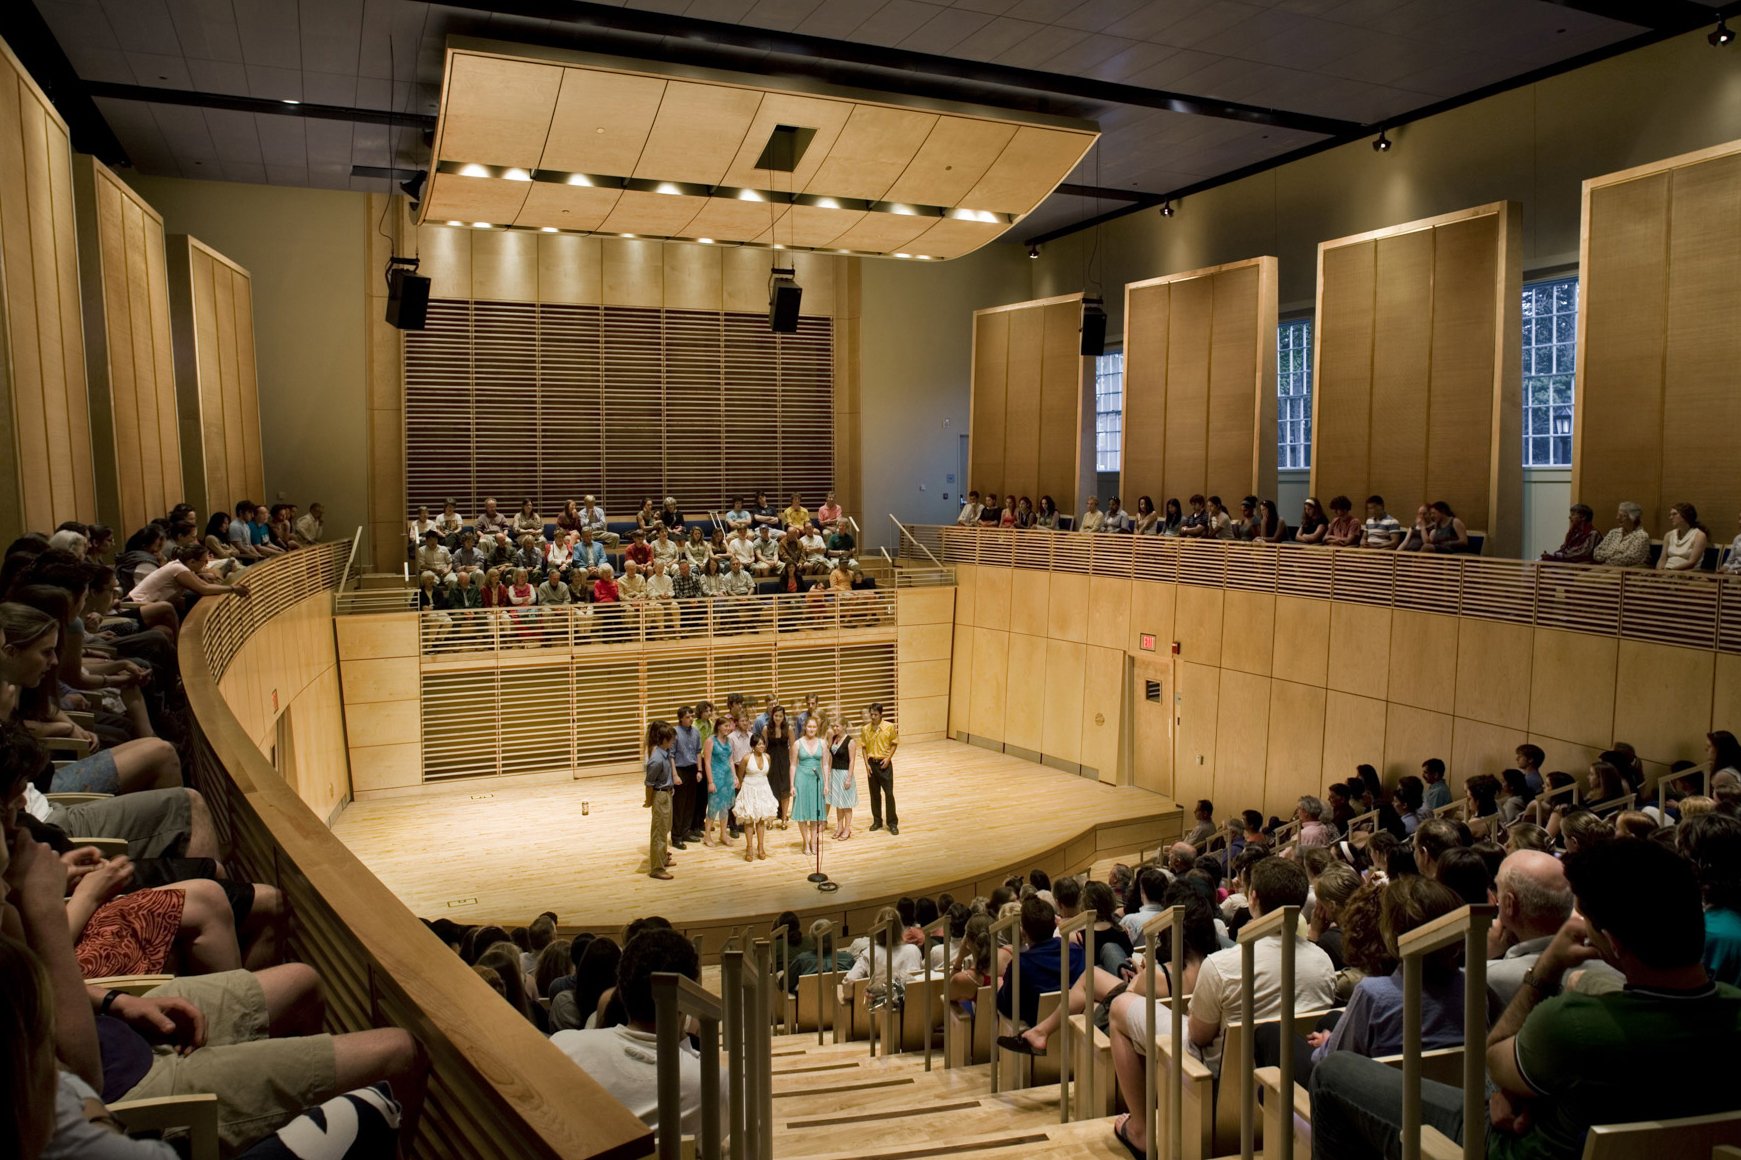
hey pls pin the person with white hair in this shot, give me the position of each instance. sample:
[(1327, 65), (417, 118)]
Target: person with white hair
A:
[(68, 540), (1627, 544), (1313, 829), (1534, 901)]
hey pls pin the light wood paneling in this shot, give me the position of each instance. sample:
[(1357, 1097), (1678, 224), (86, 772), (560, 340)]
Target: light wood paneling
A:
[(1478, 747), (390, 679), (1067, 598), (1194, 760), (990, 682), (1493, 671), (961, 680), (217, 396), (1198, 623), (383, 723), (1103, 713), (1295, 761), (1359, 659), (45, 422), (1571, 688), (1029, 379), (1302, 642), (924, 678), (1241, 737), (966, 594), (924, 642), (1108, 612), (992, 599), (1411, 736), (1030, 601), (925, 605), (129, 353), (1025, 709), (1662, 699), (1151, 611), (1417, 379), (1066, 665), (391, 634), (1726, 697), (379, 767), (1248, 632), (1654, 390), (1423, 660), (1353, 734)]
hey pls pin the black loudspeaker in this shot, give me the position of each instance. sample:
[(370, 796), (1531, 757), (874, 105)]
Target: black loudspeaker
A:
[(1093, 328), (783, 297), (407, 300)]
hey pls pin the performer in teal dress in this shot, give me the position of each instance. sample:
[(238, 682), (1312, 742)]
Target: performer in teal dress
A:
[(809, 809), (722, 788)]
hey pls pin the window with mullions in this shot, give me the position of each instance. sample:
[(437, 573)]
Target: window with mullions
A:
[(1550, 345), (1108, 410), (1294, 394)]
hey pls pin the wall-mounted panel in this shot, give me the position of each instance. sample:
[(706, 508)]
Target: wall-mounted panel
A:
[(1418, 368), (1199, 383), (45, 425), (1657, 406), (1026, 433), (212, 308), (130, 355)]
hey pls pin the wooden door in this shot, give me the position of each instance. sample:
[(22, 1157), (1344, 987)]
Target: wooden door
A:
[(1103, 700), (1151, 701)]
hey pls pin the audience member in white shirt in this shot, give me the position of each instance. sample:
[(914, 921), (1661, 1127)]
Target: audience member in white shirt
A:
[(970, 510)]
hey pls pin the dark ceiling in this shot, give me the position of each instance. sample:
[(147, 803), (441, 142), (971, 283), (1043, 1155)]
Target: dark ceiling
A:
[(1187, 92)]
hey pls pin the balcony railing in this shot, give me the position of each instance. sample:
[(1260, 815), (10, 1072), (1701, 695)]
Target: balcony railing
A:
[(1691, 609)]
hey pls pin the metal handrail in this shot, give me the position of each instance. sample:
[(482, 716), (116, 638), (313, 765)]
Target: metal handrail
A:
[(1540, 807), (892, 925), (1469, 926), (1702, 771), (1613, 805), (821, 933), (347, 577), (1284, 921), (1083, 922), (1284, 832), (905, 534), (1008, 922), (677, 998), (1172, 919), (938, 929)]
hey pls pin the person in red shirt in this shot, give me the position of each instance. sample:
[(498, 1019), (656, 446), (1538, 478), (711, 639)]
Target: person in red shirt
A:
[(639, 551), (1581, 538)]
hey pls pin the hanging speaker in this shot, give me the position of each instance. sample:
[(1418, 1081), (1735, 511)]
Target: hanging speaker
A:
[(1093, 328), (407, 299), (784, 294)]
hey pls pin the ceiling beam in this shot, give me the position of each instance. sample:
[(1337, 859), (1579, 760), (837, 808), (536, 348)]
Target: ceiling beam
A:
[(1645, 13), (716, 44), (199, 100), (1101, 192), (23, 28)]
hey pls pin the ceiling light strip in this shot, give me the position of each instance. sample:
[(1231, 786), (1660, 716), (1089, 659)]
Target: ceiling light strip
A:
[(746, 245), (722, 192)]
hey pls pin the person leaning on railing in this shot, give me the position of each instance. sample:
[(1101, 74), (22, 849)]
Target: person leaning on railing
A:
[(1559, 1063)]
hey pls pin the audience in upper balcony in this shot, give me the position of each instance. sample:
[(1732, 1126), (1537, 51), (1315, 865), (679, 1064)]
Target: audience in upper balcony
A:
[(1579, 546), (1116, 518), (1092, 518), (1684, 544), (1148, 520), (1381, 529), (1627, 543), (1313, 524), (1344, 530)]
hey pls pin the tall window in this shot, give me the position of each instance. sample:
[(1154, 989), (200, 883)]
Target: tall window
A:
[(1550, 344), (1294, 393), (1108, 410)]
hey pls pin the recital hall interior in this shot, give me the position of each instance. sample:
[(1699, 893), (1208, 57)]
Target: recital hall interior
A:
[(481, 473)]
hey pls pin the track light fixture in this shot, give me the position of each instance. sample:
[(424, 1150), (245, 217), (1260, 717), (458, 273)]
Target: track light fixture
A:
[(1033, 250), (1167, 209), (1722, 34), (413, 186), (1382, 143)]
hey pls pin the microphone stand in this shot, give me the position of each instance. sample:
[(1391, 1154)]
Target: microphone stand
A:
[(818, 877)]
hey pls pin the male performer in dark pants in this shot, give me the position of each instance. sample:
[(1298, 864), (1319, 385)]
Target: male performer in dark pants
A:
[(878, 740), (686, 753)]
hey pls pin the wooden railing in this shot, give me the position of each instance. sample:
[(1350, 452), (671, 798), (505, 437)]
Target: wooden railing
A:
[(1469, 927), (1692, 609), (1172, 920), (938, 930), (497, 1088), (1010, 922), (1083, 922), (679, 999), (1283, 921)]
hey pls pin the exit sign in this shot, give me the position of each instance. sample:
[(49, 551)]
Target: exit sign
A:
[(1147, 641)]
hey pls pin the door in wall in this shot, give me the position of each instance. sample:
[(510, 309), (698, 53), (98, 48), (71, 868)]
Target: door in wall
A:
[(1103, 701), (1151, 721)]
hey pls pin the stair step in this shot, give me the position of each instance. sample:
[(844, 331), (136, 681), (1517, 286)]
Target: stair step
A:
[(1083, 1140), (925, 1121)]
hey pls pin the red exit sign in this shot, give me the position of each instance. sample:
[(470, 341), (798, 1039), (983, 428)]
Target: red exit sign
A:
[(1147, 641)]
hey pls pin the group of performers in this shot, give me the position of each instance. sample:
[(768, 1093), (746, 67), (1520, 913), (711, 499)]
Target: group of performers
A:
[(717, 774)]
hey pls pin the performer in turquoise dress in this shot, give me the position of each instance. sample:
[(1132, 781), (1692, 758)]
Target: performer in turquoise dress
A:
[(722, 785), (809, 809)]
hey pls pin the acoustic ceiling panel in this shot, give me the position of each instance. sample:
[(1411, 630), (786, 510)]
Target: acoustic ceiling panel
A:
[(535, 138)]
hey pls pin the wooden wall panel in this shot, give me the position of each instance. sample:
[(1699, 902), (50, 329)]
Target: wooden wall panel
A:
[(129, 353), (1029, 382), (45, 423), (217, 394), (1657, 409), (1187, 391), (1147, 344), (1417, 378)]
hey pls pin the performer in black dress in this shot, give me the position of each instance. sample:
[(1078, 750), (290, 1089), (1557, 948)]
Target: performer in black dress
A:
[(778, 735)]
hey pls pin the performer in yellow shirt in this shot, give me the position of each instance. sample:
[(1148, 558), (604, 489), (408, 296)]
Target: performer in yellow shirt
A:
[(878, 739)]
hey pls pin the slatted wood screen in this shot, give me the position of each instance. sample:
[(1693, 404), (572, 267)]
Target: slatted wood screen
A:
[(45, 427), (1657, 405), (1419, 371), (129, 354), (1200, 384), (553, 402)]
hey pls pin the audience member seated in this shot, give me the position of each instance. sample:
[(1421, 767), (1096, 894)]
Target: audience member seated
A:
[(1711, 842), (1116, 519), (1042, 954), (1093, 518), (1534, 901), (1731, 565), (968, 516), (1627, 543), (310, 529), (1313, 524), (1684, 544), (1344, 530), (1579, 546), (1381, 529), (1560, 1063), (1046, 515), (1218, 525)]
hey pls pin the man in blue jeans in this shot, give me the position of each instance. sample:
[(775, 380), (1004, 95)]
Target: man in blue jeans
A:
[(1558, 1063)]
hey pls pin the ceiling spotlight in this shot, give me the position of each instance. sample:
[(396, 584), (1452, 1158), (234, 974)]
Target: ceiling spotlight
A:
[(547, 229), (1720, 35), (705, 241), (1033, 250), (473, 170), (1382, 143), (1167, 209), (749, 195), (480, 225), (579, 179), (667, 188), (517, 175), (412, 187)]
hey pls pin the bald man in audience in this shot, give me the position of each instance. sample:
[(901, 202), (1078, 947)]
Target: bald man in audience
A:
[(1181, 856), (1534, 902)]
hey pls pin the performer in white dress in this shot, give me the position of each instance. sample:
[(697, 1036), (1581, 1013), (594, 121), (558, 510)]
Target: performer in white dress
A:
[(756, 805)]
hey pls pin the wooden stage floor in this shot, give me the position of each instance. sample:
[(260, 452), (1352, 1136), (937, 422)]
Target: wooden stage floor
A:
[(969, 816)]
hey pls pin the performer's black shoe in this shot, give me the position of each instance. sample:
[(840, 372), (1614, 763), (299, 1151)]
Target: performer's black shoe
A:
[(675, 845), (875, 826), (894, 829)]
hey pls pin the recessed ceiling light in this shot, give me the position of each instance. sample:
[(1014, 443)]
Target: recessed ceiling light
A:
[(903, 210), (473, 170), (924, 257), (897, 255), (579, 179), (749, 195), (517, 175), (705, 241), (287, 101), (627, 235), (963, 215), (480, 225), (454, 223), (666, 187), (827, 203), (547, 229), (778, 246)]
